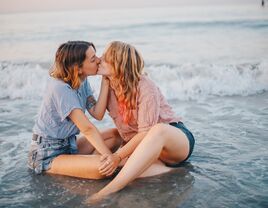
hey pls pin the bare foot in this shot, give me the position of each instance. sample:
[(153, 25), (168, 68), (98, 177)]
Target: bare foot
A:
[(95, 198)]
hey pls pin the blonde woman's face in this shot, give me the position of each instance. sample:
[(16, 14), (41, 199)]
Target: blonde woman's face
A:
[(105, 68)]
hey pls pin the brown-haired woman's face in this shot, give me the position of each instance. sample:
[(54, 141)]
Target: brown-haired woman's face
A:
[(90, 64)]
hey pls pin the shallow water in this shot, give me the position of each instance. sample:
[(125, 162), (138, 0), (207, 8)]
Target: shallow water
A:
[(227, 169)]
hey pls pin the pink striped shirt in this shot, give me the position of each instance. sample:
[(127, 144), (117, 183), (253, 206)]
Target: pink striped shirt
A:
[(152, 108)]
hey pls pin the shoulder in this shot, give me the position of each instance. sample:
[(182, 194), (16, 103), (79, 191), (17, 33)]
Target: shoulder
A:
[(147, 90), (58, 85), (58, 89), (146, 84)]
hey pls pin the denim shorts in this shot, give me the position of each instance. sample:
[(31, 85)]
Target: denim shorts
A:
[(189, 136), (44, 150)]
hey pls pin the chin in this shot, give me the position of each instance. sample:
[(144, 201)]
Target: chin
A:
[(99, 72)]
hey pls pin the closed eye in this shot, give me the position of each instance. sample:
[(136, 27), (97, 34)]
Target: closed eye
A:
[(93, 58)]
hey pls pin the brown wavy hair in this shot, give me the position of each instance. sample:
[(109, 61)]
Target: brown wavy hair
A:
[(127, 64), (69, 58)]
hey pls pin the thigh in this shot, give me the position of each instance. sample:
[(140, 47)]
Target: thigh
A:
[(176, 144), (81, 166), (111, 138)]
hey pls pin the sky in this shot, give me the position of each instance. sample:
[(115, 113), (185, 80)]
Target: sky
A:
[(11, 6)]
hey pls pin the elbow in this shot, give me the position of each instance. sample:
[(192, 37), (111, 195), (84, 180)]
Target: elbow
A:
[(99, 117), (100, 114)]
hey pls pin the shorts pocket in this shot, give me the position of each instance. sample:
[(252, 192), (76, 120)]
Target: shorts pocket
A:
[(35, 155), (32, 159)]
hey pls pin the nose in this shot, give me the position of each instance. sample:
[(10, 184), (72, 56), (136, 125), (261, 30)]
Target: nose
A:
[(98, 60)]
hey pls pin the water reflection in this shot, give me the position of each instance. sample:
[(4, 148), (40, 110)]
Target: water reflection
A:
[(166, 190)]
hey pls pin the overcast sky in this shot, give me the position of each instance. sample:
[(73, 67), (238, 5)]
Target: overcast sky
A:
[(7, 6)]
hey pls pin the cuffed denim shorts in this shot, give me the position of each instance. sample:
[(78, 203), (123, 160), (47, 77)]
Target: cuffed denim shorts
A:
[(44, 150), (189, 136)]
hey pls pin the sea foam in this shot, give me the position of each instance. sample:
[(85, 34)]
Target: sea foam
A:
[(184, 82)]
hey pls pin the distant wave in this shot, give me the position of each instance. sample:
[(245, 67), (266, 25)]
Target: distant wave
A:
[(184, 82), (254, 24)]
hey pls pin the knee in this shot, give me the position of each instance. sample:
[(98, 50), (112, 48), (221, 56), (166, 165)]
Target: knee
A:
[(91, 171), (159, 130)]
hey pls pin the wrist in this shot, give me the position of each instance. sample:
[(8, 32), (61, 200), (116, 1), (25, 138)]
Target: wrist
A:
[(119, 157), (105, 80)]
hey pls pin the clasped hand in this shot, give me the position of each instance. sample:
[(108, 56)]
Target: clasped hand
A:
[(108, 164)]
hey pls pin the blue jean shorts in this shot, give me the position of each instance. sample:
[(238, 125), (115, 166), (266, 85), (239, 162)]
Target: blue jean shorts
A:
[(189, 136), (44, 150)]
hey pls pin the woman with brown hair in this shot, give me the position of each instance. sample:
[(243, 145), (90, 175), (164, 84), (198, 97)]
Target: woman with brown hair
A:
[(155, 139), (54, 148)]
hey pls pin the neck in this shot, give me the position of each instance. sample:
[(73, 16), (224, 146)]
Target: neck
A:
[(82, 78)]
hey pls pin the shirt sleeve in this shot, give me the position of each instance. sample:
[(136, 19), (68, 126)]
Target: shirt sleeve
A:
[(91, 101), (148, 107), (65, 100)]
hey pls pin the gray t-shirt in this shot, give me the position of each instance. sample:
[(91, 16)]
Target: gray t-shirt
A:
[(58, 102)]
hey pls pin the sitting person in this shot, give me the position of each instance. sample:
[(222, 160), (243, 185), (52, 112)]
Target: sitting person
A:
[(54, 148), (155, 139)]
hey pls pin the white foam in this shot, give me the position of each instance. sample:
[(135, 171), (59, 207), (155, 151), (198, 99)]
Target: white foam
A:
[(22, 80), (184, 82), (199, 81)]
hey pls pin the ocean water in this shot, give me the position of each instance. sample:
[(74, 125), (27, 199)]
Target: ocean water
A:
[(210, 62)]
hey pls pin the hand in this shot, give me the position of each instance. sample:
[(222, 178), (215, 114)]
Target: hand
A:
[(109, 163), (105, 80)]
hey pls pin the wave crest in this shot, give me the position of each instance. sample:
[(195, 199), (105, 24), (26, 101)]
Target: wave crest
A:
[(199, 81), (22, 80), (183, 82)]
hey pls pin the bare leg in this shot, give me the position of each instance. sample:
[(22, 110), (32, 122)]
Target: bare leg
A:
[(82, 166), (156, 168), (165, 140), (111, 138)]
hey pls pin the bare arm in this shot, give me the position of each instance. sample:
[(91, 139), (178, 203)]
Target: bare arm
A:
[(128, 148), (110, 162), (98, 110), (89, 130)]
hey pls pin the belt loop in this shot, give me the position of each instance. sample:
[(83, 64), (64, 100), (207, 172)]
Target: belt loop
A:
[(37, 138)]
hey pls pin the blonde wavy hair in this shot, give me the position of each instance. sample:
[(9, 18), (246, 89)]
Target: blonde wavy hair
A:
[(69, 58), (127, 64)]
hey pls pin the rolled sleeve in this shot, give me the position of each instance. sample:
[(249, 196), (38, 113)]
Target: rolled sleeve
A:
[(65, 100)]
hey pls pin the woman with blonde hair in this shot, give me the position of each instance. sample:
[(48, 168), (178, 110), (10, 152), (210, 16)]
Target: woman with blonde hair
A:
[(155, 139), (54, 148)]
